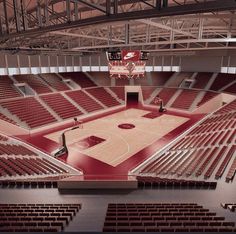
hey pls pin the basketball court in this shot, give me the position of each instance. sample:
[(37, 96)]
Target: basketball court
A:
[(115, 138)]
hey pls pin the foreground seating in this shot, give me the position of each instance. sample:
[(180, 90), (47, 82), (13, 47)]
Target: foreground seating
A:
[(3, 138), (165, 183), (232, 171), (5, 118), (24, 166), (10, 149), (207, 150), (230, 206), (36, 217), (164, 217)]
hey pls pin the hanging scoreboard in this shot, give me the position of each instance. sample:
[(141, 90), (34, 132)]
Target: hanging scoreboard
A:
[(127, 63)]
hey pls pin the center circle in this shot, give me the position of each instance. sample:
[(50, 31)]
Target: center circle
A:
[(126, 126)]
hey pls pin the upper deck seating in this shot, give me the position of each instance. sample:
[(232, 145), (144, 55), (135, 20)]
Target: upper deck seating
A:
[(7, 89), (36, 83), (80, 78), (222, 80), (201, 80), (160, 78), (185, 99), (119, 92), (54, 81)]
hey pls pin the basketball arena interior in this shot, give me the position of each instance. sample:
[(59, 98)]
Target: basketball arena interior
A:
[(117, 116)]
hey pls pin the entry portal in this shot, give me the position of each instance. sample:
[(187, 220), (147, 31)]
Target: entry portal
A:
[(132, 98)]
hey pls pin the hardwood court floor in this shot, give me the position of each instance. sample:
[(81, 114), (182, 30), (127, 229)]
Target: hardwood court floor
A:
[(120, 144)]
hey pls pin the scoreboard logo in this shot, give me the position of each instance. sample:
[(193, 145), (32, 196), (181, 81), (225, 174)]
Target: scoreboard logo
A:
[(130, 55)]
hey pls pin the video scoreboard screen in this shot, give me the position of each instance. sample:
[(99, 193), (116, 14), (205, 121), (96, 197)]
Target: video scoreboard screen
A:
[(127, 63)]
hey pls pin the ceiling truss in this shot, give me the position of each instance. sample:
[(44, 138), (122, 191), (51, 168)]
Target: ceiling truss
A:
[(88, 26)]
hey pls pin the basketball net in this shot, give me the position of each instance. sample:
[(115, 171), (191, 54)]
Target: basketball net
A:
[(158, 101)]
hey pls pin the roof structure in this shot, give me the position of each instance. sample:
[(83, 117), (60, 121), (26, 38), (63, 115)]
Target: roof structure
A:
[(91, 26)]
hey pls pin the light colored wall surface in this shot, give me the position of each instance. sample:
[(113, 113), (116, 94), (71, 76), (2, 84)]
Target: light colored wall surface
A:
[(212, 61)]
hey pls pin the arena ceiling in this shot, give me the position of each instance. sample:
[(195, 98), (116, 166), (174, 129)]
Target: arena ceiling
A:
[(91, 26)]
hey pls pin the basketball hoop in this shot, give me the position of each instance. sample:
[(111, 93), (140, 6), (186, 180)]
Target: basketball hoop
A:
[(80, 124)]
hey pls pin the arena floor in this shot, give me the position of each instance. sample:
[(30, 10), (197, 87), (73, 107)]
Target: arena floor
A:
[(115, 138), (104, 148)]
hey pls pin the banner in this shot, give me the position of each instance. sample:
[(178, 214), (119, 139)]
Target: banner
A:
[(130, 55)]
